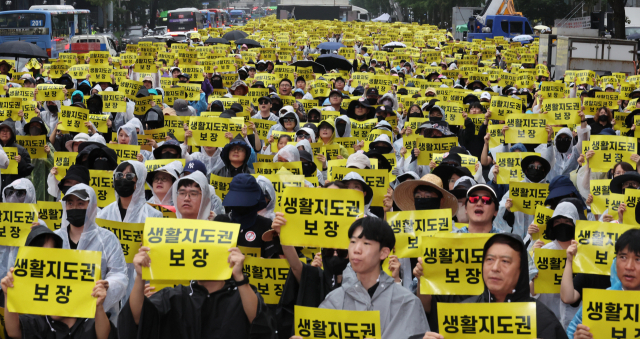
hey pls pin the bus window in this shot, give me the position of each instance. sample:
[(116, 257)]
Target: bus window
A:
[(515, 27), (22, 20), (60, 23), (504, 26)]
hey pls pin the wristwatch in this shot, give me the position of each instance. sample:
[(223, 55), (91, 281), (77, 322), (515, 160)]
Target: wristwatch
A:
[(243, 281)]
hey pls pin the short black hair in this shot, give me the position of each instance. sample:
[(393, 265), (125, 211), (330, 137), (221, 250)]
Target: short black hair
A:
[(475, 104), (629, 240), (123, 166), (506, 240), (375, 229), (287, 80), (188, 183)]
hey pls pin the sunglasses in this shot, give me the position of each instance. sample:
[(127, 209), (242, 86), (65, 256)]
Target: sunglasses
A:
[(129, 176), (328, 252), (263, 102), (360, 106), (534, 167), (304, 136), (288, 120), (18, 193), (475, 198)]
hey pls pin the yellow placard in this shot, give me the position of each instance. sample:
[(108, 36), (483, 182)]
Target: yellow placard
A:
[(526, 129), (125, 152), (130, 87), (510, 166), (173, 94), (129, 235), (63, 160), (631, 198), (53, 281), (16, 222), (113, 102), (221, 184), (562, 111), (196, 73), (49, 92), (79, 72), (377, 179), (73, 118), (100, 73), (551, 90), (596, 246), (102, 183), (191, 91), (470, 320), (175, 125), (208, 131), (609, 150), (99, 121), (51, 213), (430, 146), (317, 218), (382, 83), (543, 214), (599, 189), (99, 58), (420, 222), (190, 249), (263, 127), (268, 275), (610, 313), (452, 264), (453, 112), (526, 196), (34, 145), (270, 168), (9, 107), (550, 265), (366, 324)]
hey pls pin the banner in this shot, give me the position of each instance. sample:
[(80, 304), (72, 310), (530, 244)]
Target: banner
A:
[(599, 189), (378, 180), (610, 313), (609, 150), (562, 111), (502, 106), (49, 92), (53, 281), (526, 196), (420, 222), (494, 320), (113, 102), (211, 132), (452, 264), (190, 249), (267, 275), (317, 218), (51, 213), (596, 242), (129, 235), (316, 323), (541, 216), (34, 145), (102, 183), (430, 146), (17, 219), (9, 106), (510, 166), (526, 128), (550, 265), (73, 118)]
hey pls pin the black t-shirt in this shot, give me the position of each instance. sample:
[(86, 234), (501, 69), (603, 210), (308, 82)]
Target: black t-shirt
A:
[(252, 237), (372, 289), (72, 245), (123, 211), (582, 281)]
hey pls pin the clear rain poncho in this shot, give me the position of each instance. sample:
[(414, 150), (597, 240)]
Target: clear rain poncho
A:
[(205, 203), (95, 238), (130, 130), (211, 162), (173, 169), (267, 188)]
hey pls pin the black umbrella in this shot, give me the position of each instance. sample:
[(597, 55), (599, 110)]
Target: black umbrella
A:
[(216, 41), (248, 42), (22, 49), (235, 35), (333, 61), (317, 68)]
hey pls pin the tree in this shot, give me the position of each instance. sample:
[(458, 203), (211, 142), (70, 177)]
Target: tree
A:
[(104, 4), (542, 11), (619, 18)]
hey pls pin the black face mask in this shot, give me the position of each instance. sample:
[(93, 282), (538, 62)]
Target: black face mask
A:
[(76, 99), (154, 124), (314, 118), (563, 145), (415, 115), (335, 265), (170, 155), (261, 68), (309, 169), (243, 76), (76, 217), (562, 232), (372, 101), (603, 118), (340, 128), (124, 187), (535, 175), (381, 149), (427, 203), (380, 118), (52, 108), (276, 107), (216, 83), (435, 119), (101, 164)]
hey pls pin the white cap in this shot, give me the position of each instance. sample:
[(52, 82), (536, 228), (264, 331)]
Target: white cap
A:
[(286, 109), (608, 86), (485, 95)]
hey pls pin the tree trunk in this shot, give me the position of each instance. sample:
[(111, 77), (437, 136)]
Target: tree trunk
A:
[(152, 18), (618, 18), (105, 16)]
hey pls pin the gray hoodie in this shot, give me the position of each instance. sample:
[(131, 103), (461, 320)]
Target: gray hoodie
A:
[(205, 203), (173, 169), (280, 127), (401, 312), (347, 129)]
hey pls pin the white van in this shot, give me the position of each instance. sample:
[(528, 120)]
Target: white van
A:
[(89, 43)]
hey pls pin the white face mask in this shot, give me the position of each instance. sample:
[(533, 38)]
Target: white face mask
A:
[(461, 215)]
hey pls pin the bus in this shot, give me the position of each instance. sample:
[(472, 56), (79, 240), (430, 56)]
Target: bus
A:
[(215, 17), (48, 26), (182, 20)]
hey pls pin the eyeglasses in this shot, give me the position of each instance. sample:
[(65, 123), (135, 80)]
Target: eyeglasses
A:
[(632, 184), (129, 176), (534, 167), (285, 85), (288, 120), (475, 198), (328, 252), (304, 136), (159, 178), (192, 194), (263, 102)]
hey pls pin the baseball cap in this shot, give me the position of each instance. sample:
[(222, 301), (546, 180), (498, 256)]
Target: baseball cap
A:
[(485, 95), (372, 91), (194, 166), (483, 187), (358, 160), (80, 193), (148, 78), (184, 75)]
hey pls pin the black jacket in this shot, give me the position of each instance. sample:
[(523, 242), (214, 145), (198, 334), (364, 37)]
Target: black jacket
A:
[(548, 326), (43, 327), (24, 166)]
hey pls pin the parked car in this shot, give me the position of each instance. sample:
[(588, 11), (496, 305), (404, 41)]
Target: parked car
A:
[(133, 35)]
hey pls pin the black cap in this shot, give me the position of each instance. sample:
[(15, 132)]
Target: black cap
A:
[(264, 98), (42, 231), (184, 75), (236, 107), (373, 91), (78, 173)]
